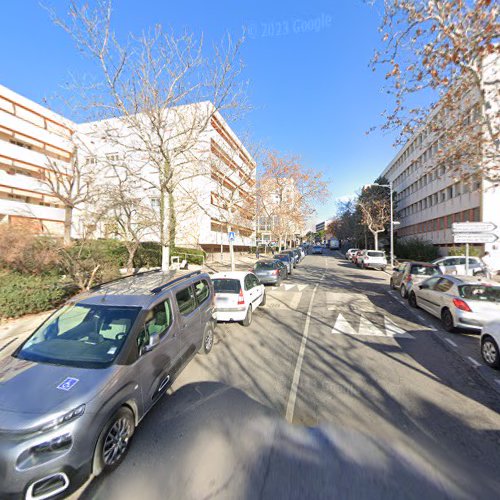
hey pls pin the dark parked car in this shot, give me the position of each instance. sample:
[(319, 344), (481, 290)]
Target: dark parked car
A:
[(293, 256), (406, 275), (73, 393), (270, 271), (287, 259)]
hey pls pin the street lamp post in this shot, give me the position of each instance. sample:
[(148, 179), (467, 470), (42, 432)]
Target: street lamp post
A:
[(389, 186)]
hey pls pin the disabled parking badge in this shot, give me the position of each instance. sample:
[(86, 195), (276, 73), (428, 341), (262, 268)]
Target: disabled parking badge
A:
[(67, 384)]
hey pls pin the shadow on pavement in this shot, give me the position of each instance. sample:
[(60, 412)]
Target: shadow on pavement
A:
[(209, 440)]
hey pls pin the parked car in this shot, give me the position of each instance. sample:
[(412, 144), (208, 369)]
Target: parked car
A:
[(287, 259), (350, 253), (283, 267), (317, 250), (373, 259), (298, 254), (74, 391), (270, 271), (293, 256), (490, 340), (237, 295), (456, 265), (407, 274), (459, 301), (356, 256)]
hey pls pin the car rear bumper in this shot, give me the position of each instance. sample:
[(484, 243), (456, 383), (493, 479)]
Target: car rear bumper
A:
[(231, 314), (268, 280)]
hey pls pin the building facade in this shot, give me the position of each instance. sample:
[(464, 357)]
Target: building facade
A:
[(430, 198), (32, 139)]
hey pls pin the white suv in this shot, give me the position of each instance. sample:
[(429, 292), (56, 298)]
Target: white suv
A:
[(237, 295), (456, 265), (373, 259)]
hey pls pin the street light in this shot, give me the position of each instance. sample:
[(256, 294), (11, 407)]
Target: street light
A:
[(393, 223)]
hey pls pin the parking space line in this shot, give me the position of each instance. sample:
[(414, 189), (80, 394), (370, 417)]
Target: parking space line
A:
[(290, 408), (473, 361), (451, 342)]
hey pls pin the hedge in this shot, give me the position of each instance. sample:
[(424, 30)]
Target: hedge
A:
[(415, 249), (26, 294)]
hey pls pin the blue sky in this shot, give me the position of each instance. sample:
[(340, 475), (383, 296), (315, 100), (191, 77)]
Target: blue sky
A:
[(312, 91)]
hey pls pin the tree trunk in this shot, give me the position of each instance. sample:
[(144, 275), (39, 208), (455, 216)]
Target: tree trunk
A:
[(375, 239), (132, 250), (68, 218)]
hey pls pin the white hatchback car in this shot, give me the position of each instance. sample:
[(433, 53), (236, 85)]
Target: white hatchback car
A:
[(373, 259), (237, 295), (490, 340)]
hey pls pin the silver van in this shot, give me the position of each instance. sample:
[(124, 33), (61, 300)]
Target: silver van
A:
[(72, 394)]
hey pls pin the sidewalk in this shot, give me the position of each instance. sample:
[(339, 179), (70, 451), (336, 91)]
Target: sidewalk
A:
[(20, 327), (243, 262)]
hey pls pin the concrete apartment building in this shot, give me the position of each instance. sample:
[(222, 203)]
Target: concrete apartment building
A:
[(215, 176), (218, 167), (429, 199), (31, 139)]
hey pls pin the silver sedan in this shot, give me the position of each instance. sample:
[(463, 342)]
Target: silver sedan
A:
[(459, 301)]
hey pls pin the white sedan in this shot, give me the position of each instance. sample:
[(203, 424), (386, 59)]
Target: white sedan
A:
[(237, 295)]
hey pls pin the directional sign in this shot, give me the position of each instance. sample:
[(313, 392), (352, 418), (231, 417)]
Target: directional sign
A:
[(473, 227), (475, 238), (230, 235)]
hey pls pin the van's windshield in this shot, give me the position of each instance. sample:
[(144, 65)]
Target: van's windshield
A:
[(85, 336)]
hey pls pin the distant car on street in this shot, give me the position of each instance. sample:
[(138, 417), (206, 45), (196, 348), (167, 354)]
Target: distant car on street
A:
[(490, 340), (456, 265), (317, 250), (293, 255), (350, 252), (237, 295), (355, 256), (270, 271), (407, 274), (459, 301), (372, 259), (287, 259)]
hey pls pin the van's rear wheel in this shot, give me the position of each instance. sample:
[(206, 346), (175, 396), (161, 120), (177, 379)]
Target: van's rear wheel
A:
[(208, 339), (113, 443)]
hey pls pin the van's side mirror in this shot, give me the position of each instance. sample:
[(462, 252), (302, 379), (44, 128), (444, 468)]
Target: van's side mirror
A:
[(423, 287), (394, 268), (154, 340)]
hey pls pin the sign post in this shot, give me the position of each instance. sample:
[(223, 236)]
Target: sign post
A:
[(230, 237)]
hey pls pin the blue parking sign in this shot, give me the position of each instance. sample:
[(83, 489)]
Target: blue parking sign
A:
[(231, 235)]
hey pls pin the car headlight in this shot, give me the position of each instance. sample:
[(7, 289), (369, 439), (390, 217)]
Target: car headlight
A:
[(64, 419)]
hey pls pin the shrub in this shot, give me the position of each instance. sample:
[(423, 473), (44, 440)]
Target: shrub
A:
[(415, 249), (23, 251), (148, 255), (26, 294), (474, 251)]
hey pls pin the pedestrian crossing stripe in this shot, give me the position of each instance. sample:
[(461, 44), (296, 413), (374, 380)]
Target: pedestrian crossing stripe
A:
[(369, 329), (287, 287)]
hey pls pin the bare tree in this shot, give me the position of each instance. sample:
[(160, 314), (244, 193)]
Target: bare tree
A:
[(288, 193), (71, 182), (158, 92), (446, 49)]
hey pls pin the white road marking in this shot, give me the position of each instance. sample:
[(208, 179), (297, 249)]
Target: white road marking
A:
[(473, 361), (393, 330), (497, 380), (342, 326), (302, 287), (454, 344), (290, 408), (366, 327), (288, 287)]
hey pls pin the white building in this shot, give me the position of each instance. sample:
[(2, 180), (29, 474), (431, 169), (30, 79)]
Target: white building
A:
[(430, 199), (31, 138), (214, 174)]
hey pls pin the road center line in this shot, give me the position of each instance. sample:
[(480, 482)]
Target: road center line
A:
[(290, 408)]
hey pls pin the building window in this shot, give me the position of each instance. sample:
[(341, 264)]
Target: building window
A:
[(155, 202)]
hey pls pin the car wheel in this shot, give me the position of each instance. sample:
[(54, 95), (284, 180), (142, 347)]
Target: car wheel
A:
[(403, 292), (447, 320), (208, 339), (248, 318), (264, 299), (489, 352), (113, 443), (392, 285), (412, 299), (383, 269)]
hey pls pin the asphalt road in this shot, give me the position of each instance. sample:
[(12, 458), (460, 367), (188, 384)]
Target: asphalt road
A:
[(336, 390)]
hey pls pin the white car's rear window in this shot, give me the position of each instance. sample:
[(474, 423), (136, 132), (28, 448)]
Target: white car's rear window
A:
[(375, 254)]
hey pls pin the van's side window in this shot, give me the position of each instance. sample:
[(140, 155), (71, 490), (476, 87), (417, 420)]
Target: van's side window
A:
[(186, 301), (157, 321), (202, 291)]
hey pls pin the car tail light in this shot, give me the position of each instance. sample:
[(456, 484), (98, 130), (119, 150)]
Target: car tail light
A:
[(462, 305), (276, 272), (241, 299), (408, 278)]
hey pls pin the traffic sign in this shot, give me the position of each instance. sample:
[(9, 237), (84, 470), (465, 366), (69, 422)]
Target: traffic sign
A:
[(473, 227), (475, 238), (230, 235)]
